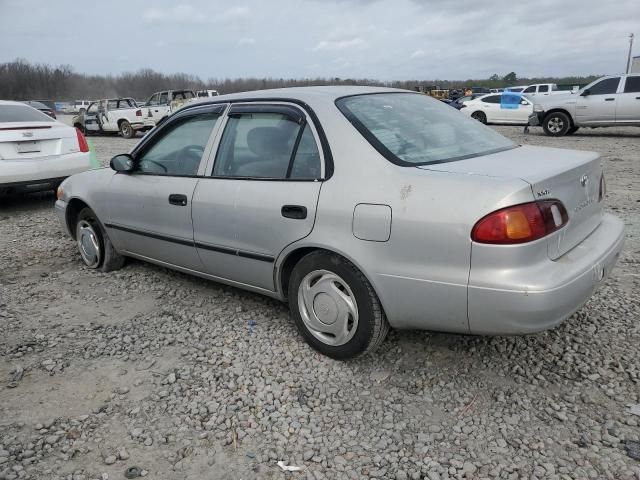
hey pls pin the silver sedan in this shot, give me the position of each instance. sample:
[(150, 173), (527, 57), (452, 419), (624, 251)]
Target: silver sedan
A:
[(364, 208)]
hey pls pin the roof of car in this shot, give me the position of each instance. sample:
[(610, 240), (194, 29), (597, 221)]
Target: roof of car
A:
[(308, 94)]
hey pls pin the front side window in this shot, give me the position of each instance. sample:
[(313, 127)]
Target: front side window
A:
[(267, 145), (164, 98), (632, 85), (153, 100), (411, 129), (530, 90), (607, 86), (179, 151), (93, 108)]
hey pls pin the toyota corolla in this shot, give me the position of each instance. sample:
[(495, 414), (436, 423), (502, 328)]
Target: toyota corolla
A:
[(363, 208)]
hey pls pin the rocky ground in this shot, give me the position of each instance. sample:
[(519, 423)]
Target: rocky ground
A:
[(187, 379)]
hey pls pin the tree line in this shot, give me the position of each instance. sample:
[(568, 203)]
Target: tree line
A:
[(21, 80)]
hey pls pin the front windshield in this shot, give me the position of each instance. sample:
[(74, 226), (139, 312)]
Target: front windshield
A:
[(412, 129)]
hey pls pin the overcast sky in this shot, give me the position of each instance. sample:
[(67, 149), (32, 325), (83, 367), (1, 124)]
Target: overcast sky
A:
[(401, 39)]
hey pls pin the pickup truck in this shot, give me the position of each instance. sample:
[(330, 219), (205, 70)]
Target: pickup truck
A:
[(545, 89), (607, 102), (113, 115), (162, 104)]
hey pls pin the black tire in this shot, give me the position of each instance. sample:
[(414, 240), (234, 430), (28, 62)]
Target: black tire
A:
[(107, 258), (369, 328), (480, 116), (126, 130), (572, 130), (556, 124)]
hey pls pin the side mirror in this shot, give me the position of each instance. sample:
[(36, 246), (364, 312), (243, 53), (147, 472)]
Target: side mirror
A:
[(585, 93), (122, 163)]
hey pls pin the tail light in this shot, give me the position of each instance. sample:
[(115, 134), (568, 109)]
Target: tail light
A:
[(520, 223), (603, 188), (82, 142), (138, 113)]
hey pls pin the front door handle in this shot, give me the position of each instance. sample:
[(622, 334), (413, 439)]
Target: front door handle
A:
[(609, 99), (297, 212), (178, 199)]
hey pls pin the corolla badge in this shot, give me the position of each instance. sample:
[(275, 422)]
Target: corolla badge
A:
[(584, 179), (27, 134)]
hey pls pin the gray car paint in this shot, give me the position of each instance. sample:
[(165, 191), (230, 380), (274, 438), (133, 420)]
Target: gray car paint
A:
[(428, 274)]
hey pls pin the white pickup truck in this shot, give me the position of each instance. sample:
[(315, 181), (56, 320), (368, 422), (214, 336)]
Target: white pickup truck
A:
[(540, 89), (162, 104), (113, 115), (609, 101)]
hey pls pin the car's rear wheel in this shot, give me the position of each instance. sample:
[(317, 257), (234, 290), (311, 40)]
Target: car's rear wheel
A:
[(480, 116), (94, 245), (335, 307), (126, 130), (556, 124)]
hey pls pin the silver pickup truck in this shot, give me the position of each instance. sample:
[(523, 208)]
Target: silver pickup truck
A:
[(609, 101)]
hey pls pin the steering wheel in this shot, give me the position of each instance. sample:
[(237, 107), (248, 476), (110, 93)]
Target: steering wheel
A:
[(190, 154)]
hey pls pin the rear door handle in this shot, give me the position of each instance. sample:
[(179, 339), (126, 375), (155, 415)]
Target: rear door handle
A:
[(178, 199), (609, 99), (297, 212)]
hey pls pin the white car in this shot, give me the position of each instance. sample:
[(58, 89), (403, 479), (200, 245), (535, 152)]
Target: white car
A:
[(502, 108), (37, 152)]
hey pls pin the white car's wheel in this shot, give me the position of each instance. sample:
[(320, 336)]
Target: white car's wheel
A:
[(335, 307), (480, 116)]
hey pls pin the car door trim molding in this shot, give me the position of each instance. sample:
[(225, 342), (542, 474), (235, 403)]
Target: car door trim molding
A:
[(190, 243)]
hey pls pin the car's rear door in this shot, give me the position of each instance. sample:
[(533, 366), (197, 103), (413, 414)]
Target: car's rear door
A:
[(600, 105), (628, 104), (261, 194), (150, 208)]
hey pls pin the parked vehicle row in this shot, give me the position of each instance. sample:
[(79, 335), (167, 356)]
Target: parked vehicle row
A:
[(609, 101), (314, 228)]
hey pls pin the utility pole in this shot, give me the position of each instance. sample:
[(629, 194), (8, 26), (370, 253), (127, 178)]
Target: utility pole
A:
[(629, 55)]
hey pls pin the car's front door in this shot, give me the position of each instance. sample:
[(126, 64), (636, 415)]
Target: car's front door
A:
[(261, 195), (628, 104), (150, 208), (599, 105)]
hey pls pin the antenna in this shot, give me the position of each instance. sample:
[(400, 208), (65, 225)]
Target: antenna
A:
[(629, 55)]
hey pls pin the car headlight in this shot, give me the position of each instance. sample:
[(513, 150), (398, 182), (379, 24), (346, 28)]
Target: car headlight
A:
[(538, 108)]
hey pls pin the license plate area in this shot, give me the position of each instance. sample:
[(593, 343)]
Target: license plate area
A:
[(28, 147)]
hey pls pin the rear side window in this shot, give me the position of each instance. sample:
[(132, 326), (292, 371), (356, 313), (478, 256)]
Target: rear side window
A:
[(632, 85), (605, 87), (411, 129), (543, 88), (22, 113), (267, 145), (491, 99)]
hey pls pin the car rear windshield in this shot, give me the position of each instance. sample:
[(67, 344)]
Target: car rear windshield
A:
[(412, 129), (19, 113)]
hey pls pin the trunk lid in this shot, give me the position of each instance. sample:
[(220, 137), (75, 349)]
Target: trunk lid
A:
[(29, 140), (571, 176)]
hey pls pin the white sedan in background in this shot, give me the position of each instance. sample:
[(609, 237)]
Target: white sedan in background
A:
[(501, 108), (37, 152)]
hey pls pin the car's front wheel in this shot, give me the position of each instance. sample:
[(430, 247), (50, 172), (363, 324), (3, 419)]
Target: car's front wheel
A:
[(126, 130), (335, 307), (556, 124), (94, 245), (480, 116)]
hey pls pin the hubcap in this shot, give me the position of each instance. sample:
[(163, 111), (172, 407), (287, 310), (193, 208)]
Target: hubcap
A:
[(555, 124), (328, 307), (88, 244)]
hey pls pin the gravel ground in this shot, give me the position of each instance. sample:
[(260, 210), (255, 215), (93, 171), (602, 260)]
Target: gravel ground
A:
[(184, 378)]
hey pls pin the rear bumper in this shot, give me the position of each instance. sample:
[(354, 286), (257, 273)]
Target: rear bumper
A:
[(30, 186), (503, 309), (38, 170)]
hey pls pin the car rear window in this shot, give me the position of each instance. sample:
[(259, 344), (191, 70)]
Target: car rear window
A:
[(20, 113), (411, 129)]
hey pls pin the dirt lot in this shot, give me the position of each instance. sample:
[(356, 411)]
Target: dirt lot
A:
[(185, 378)]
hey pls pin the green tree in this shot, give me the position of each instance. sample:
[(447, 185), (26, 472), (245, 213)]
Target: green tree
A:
[(494, 78), (510, 77)]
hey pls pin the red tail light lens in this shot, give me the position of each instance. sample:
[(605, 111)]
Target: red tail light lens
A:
[(603, 188), (520, 223), (138, 113), (82, 142)]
